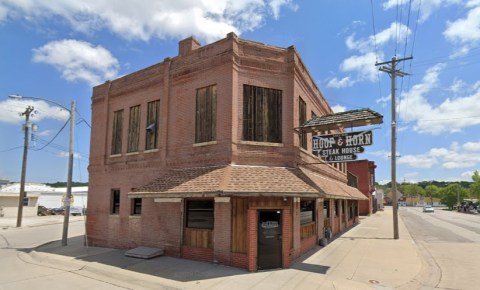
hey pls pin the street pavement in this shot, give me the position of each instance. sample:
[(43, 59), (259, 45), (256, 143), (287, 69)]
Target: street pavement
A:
[(365, 257)]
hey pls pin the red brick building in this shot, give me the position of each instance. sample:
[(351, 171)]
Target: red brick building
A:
[(199, 155), (364, 170)]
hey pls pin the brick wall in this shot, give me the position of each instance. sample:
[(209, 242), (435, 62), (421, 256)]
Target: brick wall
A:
[(223, 228), (229, 64)]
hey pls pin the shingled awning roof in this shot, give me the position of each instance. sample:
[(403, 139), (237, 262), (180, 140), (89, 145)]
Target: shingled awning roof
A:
[(355, 118), (243, 180)]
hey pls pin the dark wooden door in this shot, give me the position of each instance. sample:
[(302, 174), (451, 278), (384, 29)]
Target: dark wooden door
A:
[(269, 239)]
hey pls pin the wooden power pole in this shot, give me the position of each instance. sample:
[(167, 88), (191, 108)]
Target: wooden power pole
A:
[(26, 127), (393, 72)]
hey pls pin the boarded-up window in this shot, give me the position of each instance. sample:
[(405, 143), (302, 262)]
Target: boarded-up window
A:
[(151, 141), (133, 129), (117, 132), (206, 114), (262, 114), (302, 118)]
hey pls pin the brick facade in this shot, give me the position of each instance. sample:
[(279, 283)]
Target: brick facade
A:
[(365, 172), (227, 64)]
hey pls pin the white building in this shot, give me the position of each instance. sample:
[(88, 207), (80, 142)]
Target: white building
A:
[(38, 194)]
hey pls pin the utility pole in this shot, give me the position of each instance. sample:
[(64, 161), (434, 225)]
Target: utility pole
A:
[(68, 198), (393, 72), (27, 125)]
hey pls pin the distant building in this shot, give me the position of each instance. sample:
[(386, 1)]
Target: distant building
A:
[(10, 193), (38, 194), (364, 170), (379, 196)]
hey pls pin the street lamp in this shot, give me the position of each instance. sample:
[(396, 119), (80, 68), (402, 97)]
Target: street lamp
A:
[(70, 165)]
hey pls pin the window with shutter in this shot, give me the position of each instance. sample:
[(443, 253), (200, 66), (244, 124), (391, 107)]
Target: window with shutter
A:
[(206, 114), (133, 129), (262, 114), (117, 132), (152, 127)]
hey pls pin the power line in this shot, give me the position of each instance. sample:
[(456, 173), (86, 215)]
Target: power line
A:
[(11, 149), (61, 129)]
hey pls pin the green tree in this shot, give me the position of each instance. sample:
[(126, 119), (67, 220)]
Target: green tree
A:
[(432, 191), (411, 190), (475, 186), (452, 194)]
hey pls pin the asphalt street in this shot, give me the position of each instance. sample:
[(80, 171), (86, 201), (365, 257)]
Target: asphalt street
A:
[(449, 243)]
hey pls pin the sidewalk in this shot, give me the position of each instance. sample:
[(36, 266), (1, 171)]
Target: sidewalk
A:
[(35, 221), (366, 257)]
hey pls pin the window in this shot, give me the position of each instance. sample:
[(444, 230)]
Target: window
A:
[(326, 208), (262, 114), (117, 132), (302, 118), (337, 207), (136, 206), (199, 214), (133, 129), (307, 211), (153, 109), (25, 201), (206, 114), (115, 205)]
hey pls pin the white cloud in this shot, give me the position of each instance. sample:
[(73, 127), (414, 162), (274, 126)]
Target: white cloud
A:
[(418, 161), (143, 20), (457, 86), (276, 5), (396, 30), (340, 83), (362, 65), (467, 175), (78, 60), (454, 157), (384, 100), (465, 30), (427, 7), (380, 153), (338, 108), (452, 115), (471, 146), (65, 154), (12, 108)]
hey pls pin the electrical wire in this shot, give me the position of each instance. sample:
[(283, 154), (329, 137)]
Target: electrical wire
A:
[(48, 143), (11, 149)]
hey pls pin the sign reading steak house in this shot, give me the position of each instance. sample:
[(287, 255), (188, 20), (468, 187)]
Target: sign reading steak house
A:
[(341, 147)]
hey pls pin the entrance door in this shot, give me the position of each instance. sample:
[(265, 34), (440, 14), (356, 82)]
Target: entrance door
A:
[(269, 240)]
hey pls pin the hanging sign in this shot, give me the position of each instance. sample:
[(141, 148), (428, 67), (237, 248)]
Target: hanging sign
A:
[(340, 158), (342, 140)]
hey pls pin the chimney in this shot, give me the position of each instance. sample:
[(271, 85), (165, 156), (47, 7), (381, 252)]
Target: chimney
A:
[(187, 45)]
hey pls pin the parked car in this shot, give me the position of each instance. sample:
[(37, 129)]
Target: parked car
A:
[(428, 208), (76, 210), (43, 211), (58, 211)]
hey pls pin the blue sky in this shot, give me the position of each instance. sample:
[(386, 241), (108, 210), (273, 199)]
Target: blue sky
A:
[(59, 49)]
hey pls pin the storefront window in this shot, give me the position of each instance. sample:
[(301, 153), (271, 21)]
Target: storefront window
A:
[(307, 211), (199, 214)]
